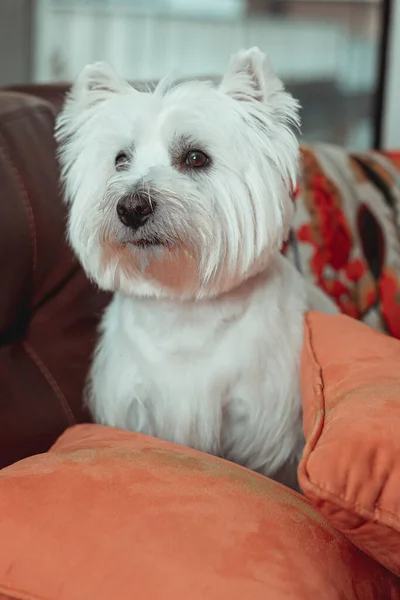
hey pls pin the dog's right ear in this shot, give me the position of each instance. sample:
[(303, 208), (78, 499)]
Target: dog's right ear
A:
[(96, 83)]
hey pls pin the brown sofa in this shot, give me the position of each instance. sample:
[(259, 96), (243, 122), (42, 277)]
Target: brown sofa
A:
[(48, 310)]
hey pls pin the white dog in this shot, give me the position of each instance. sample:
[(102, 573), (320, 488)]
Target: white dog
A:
[(179, 203)]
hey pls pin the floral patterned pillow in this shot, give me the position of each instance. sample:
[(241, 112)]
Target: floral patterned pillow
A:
[(346, 231)]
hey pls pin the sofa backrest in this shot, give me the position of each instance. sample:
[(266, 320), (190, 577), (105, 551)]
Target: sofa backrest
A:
[(48, 309)]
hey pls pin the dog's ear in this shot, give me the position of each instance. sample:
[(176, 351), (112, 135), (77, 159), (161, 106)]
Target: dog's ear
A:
[(250, 77), (97, 82)]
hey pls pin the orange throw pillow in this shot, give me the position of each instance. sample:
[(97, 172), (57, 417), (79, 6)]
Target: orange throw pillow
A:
[(351, 399), (110, 514)]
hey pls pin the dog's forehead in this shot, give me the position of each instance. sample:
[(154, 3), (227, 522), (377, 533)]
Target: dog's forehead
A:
[(190, 109), (196, 108), (199, 96)]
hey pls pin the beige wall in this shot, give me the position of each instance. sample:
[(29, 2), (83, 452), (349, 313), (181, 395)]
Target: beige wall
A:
[(15, 41)]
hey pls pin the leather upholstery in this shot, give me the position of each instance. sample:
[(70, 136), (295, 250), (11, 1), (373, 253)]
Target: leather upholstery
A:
[(54, 93), (48, 309)]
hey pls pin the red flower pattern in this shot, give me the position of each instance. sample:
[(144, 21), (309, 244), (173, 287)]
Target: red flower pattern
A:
[(337, 262), (328, 230)]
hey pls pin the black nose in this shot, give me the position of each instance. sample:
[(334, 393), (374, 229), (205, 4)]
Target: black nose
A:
[(134, 210)]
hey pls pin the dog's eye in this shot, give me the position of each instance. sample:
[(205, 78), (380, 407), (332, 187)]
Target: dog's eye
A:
[(121, 160), (196, 159)]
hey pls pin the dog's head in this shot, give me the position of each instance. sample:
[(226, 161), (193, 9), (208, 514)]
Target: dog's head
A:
[(180, 192)]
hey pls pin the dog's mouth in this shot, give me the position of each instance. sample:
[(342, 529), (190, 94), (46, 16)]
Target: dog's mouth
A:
[(153, 242), (146, 243)]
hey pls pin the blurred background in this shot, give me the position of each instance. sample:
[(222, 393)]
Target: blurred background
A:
[(332, 54)]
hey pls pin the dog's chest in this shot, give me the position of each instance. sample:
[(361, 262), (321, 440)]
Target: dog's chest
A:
[(194, 381), (221, 376), (194, 357), (201, 377)]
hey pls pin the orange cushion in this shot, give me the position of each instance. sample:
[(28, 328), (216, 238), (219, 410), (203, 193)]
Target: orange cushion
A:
[(351, 465), (111, 514)]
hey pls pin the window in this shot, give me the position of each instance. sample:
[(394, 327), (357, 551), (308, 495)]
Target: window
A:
[(326, 51)]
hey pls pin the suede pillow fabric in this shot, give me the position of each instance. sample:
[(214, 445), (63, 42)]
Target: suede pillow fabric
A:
[(112, 514), (351, 399)]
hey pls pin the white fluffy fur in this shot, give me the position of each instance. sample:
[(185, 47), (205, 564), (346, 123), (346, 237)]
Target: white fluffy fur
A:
[(201, 342)]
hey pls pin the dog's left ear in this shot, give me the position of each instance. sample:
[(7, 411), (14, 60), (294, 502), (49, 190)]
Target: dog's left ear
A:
[(250, 77)]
